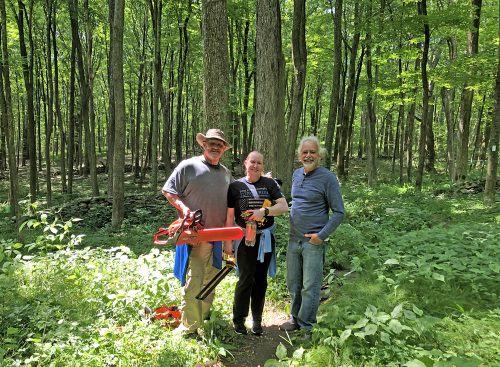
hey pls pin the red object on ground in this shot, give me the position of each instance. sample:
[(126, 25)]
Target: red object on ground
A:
[(170, 315)]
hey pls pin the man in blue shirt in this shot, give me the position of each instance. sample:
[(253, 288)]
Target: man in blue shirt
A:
[(315, 191)]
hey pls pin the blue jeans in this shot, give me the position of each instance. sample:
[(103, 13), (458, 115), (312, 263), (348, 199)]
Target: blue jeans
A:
[(304, 263)]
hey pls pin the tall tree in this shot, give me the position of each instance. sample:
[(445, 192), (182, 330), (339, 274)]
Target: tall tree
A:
[(270, 86), (337, 68), (119, 103), (422, 11), (27, 62), (215, 66), (156, 11), (299, 58), (7, 119), (491, 175), (343, 153), (370, 109), (49, 9), (467, 97)]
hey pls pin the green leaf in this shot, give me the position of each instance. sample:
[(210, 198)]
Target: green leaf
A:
[(438, 276), (415, 363), (370, 329), (12, 331), (371, 311), (281, 352), (396, 312), (395, 326), (298, 353), (465, 362), (417, 310), (360, 323), (385, 337), (274, 363), (345, 334), (17, 245), (495, 267), (391, 262)]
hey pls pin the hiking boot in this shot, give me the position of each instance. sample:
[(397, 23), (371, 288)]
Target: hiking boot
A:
[(239, 328), (257, 328), (290, 325)]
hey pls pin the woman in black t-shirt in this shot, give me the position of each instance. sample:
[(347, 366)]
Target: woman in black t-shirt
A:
[(258, 198)]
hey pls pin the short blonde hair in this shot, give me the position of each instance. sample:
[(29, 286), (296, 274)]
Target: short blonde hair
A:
[(315, 141)]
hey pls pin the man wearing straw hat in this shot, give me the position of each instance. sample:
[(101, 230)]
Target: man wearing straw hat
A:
[(199, 182)]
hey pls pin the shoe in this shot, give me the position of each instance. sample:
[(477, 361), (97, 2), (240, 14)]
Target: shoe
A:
[(290, 325), (257, 328), (240, 329)]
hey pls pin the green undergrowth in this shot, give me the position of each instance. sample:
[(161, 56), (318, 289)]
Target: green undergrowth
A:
[(422, 287), (411, 279)]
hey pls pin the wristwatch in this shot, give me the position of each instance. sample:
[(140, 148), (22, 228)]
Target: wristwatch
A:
[(266, 212)]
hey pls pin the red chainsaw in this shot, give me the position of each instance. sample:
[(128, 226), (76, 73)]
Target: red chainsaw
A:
[(189, 230)]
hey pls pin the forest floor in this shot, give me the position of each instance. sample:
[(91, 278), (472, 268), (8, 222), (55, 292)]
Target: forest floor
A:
[(254, 351)]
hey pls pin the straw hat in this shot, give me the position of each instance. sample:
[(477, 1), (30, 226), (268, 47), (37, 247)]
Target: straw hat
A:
[(212, 134)]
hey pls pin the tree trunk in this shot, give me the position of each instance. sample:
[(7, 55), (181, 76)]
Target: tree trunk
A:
[(60, 122), (370, 116), (422, 11), (156, 10), (119, 94), (337, 68), (7, 119), (50, 100), (27, 64), (181, 70), (215, 67), (110, 130), (466, 100), (299, 57), (270, 87), (491, 173), (345, 136)]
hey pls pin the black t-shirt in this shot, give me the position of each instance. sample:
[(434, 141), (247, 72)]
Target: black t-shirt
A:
[(241, 198)]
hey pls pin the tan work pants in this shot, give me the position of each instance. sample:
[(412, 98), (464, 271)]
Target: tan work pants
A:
[(200, 271)]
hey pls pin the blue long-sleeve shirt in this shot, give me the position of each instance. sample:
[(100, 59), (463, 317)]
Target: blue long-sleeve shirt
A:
[(313, 196)]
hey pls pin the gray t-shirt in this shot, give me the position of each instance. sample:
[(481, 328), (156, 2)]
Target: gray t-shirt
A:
[(201, 185)]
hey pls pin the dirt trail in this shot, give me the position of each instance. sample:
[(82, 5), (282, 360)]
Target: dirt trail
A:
[(254, 351)]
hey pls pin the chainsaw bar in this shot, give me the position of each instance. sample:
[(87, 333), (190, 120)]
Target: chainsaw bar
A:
[(189, 230), (196, 236)]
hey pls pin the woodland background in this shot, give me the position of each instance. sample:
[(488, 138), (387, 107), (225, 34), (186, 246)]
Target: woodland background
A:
[(90, 86)]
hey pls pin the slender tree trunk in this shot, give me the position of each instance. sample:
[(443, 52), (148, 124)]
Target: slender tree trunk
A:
[(422, 11), (119, 93), (246, 92), (156, 11), (270, 86), (370, 120), (299, 57), (466, 100), (110, 130), (7, 119), (50, 100), (345, 136), (337, 68), (491, 173), (27, 64), (181, 70), (60, 122)]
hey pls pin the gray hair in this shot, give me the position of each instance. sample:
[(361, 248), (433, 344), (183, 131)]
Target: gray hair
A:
[(315, 141)]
